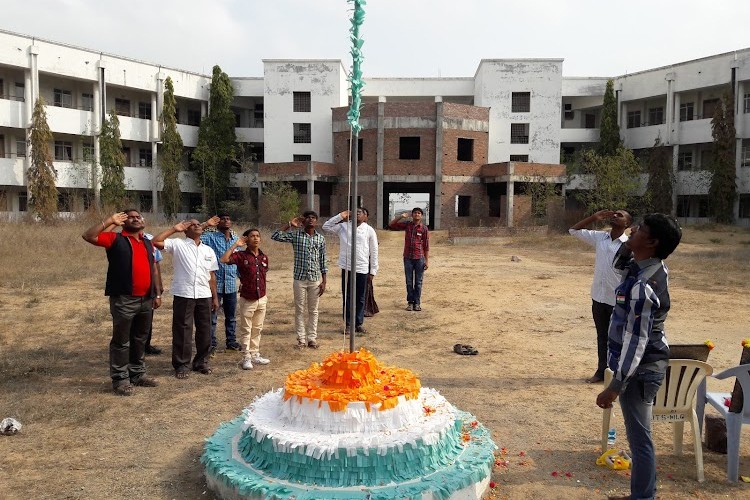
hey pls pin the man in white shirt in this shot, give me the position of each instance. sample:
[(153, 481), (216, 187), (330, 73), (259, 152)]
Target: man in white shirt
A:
[(606, 278), (365, 266), (195, 296)]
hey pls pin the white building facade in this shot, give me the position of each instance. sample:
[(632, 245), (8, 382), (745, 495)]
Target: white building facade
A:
[(535, 115)]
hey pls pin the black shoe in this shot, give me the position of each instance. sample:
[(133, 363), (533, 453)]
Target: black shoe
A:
[(360, 329), (152, 350), (211, 352), (234, 346)]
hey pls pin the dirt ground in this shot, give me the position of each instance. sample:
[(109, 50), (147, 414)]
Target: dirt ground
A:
[(530, 321)]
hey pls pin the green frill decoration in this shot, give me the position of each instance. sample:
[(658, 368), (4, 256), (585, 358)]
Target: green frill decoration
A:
[(470, 465), (355, 79)]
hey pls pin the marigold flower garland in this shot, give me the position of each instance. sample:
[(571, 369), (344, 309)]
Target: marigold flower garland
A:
[(347, 377)]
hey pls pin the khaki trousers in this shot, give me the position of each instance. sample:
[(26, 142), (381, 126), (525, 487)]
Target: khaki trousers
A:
[(252, 314), (306, 309)]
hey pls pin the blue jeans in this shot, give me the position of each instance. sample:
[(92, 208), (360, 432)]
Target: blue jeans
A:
[(636, 402), (414, 269), (360, 296), (228, 303)]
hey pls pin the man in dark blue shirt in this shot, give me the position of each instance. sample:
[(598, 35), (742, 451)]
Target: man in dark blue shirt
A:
[(638, 350)]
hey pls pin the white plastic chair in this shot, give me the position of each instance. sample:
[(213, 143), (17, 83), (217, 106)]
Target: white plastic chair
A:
[(734, 420), (675, 402)]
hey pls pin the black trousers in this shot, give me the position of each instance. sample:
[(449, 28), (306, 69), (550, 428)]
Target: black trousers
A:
[(186, 313), (361, 288), (131, 318), (601, 313)]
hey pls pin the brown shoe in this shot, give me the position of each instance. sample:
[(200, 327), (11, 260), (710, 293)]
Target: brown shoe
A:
[(145, 381), (312, 344), (123, 390)]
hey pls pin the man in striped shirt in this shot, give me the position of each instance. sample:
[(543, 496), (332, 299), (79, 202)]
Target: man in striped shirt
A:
[(310, 269), (638, 350)]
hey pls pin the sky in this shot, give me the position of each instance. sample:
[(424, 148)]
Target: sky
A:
[(403, 38)]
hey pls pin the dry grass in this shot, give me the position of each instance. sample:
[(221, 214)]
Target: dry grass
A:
[(529, 319)]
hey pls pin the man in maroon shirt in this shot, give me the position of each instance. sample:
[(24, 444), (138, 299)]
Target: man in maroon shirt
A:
[(416, 254), (132, 290), (252, 266)]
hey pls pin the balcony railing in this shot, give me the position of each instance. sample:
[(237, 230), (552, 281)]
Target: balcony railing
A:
[(12, 98)]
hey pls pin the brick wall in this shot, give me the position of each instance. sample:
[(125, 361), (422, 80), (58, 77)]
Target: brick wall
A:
[(368, 163), (538, 169), (410, 109), (425, 165), (451, 164), (453, 110), (478, 206)]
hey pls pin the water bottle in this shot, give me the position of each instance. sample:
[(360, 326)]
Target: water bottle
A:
[(611, 436)]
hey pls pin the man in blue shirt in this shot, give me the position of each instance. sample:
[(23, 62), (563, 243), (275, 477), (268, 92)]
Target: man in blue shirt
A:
[(638, 350), (226, 281)]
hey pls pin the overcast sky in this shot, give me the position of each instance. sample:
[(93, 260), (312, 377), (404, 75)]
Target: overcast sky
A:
[(403, 38)]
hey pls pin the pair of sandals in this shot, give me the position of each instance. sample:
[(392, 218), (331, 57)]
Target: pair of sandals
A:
[(465, 350), (183, 374)]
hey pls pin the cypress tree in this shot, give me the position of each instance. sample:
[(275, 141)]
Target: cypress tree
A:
[(112, 159), (170, 152), (723, 188), (212, 158), (660, 178), (609, 129), (42, 174)]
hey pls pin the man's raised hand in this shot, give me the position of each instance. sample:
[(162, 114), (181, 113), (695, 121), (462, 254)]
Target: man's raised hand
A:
[(213, 221), (296, 222), (119, 218), (181, 227), (604, 214)]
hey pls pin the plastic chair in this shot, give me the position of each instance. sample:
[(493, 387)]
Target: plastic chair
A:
[(734, 420), (675, 402)]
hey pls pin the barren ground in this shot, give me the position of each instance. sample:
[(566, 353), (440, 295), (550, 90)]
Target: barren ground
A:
[(530, 320)]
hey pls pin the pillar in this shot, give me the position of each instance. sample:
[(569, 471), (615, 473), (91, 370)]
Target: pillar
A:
[(97, 130), (381, 216), (510, 186), (437, 202), (310, 187)]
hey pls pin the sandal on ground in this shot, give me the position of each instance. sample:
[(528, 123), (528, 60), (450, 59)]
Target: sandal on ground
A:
[(181, 374), (204, 370), (123, 390), (465, 350), (312, 344)]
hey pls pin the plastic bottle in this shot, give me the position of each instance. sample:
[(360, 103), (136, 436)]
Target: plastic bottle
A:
[(611, 436)]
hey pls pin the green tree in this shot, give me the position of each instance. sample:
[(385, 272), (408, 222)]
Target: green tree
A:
[(661, 178), (170, 153), (279, 202), (609, 129), (112, 160), (541, 193), (614, 180), (42, 173), (723, 188), (213, 157)]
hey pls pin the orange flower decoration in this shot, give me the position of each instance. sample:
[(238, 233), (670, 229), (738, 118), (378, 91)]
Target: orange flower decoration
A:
[(745, 342), (346, 377), (709, 343)]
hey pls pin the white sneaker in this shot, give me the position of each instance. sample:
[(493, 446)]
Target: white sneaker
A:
[(259, 360), (247, 363)]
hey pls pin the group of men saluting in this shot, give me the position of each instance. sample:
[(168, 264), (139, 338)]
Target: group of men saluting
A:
[(207, 264)]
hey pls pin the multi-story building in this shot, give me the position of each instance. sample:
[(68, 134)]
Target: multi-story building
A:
[(469, 145)]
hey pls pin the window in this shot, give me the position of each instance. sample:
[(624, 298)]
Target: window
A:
[(569, 113), (258, 115), (685, 161), (21, 149), (709, 107), (589, 120), (301, 157), (63, 152), (256, 149), (634, 119), (301, 102), (745, 156), (194, 117), (88, 151), (465, 150), (463, 206), (237, 119), (656, 116), (177, 114), (144, 110), (408, 148), (144, 158), (707, 158), (746, 106), (87, 102), (744, 206), (126, 152), (520, 102), (302, 133), (519, 133), (122, 107), (521, 158), (360, 148), (146, 202), (686, 112), (23, 202), (63, 98), (20, 88), (64, 202)]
